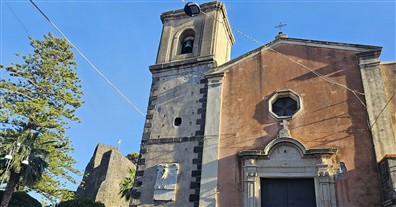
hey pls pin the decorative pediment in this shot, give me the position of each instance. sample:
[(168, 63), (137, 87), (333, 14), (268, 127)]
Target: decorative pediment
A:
[(287, 158), (290, 143)]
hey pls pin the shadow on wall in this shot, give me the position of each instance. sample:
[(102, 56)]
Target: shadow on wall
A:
[(94, 177)]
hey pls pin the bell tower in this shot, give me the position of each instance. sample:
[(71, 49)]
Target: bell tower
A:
[(170, 163), (207, 34)]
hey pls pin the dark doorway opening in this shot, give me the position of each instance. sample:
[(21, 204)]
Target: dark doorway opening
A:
[(288, 192)]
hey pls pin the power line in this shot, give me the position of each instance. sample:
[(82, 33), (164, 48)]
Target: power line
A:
[(19, 20), (292, 60), (312, 71), (386, 105), (86, 59)]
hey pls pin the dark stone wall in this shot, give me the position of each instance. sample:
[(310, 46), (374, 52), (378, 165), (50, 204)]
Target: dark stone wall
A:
[(103, 175), (387, 170)]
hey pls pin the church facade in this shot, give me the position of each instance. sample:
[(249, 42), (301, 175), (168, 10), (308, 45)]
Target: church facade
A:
[(294, 122)]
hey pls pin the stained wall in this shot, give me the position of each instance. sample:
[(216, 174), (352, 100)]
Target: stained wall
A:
[(331, 116)]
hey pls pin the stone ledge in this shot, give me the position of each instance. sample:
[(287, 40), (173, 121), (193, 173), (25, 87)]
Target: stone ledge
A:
[(388, 156), (171, 140), (195, 61)]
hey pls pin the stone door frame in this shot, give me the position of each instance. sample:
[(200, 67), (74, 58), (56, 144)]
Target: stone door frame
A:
[(287, 158)]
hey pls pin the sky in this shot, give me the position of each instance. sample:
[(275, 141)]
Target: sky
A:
[(121, 39)]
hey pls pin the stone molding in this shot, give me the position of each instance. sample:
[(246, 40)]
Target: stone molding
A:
[(181, 64), (361, 49), (206, 7), (295, 163), (283, 94), (264, 154)]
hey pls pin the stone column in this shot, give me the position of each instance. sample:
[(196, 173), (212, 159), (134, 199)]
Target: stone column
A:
[(210, 153), (250, 177)]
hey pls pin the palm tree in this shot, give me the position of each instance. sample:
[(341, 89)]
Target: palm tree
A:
[(126, 185), (25, 165), (133, 157)]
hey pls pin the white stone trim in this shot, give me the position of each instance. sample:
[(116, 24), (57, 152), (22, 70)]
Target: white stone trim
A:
[(299, 163), (210, 155), (374, 89)]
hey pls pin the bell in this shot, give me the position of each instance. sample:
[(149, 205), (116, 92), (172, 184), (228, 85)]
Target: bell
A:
[(188, 46)]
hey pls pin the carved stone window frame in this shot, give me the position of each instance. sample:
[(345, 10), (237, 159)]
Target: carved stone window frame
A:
[(311, 163), (283, 94)]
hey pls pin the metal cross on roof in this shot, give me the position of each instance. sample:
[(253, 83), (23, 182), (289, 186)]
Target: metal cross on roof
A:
[(280, 26)]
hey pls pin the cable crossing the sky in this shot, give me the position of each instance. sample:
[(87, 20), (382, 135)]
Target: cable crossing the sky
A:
[(89, 62), (354, 92)]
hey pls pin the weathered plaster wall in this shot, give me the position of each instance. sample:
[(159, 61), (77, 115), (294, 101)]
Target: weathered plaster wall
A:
[(331, 117), (103, 175)]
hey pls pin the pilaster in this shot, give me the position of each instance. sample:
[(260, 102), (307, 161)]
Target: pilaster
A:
[(250, 182), (208, 190), (382, 133)]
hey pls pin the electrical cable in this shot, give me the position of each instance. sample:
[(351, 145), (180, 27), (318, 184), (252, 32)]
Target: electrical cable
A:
[(19, 20), (292, 60), (312, 71), (89, 62), (386, 105)]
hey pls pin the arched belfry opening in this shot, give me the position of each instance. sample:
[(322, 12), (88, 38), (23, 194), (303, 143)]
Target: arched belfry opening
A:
[(187, 37), (187, 41)]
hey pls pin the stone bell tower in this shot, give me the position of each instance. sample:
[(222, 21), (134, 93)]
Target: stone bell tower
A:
[(169, 169)]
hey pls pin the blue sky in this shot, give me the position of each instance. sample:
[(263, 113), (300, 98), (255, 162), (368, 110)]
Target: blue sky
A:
[(121, 38)]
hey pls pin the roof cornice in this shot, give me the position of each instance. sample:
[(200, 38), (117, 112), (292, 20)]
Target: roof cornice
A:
[(359, 48)]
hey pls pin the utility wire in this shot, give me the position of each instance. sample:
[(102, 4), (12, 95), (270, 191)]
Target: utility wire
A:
[(86, 59), (19, 20), (292, 60), (313, 71), (386, 105)]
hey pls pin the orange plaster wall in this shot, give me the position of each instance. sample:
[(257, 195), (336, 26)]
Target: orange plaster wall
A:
[(331, 117)]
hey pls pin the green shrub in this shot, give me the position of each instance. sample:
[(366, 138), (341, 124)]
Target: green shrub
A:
[(22, 199), (80, 203)]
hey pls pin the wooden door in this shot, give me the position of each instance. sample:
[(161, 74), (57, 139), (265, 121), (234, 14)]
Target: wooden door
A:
[(288, 193)]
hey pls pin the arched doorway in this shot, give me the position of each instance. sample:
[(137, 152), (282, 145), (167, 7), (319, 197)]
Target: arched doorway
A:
[(283, 167)]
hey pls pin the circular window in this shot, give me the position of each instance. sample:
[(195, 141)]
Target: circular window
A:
[(284, 104)]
